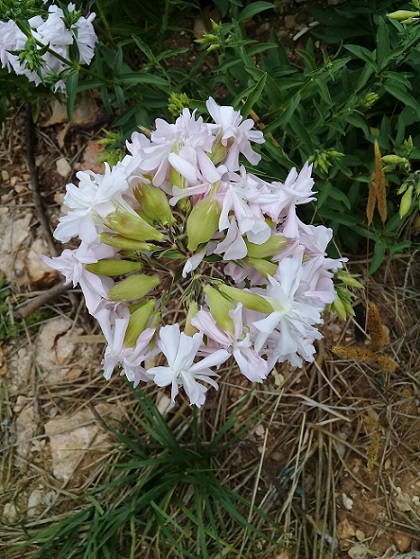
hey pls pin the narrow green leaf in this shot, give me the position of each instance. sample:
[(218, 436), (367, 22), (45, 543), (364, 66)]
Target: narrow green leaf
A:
[(400, 92), (71, 91), (362, 53), (382, 42), (253, 9), (254, 95)]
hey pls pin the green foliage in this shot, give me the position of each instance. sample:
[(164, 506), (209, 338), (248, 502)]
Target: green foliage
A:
[(164, 493)]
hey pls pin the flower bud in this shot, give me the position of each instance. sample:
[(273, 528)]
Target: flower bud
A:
[(401, 15), (249, 300), (405, 204), (218, 151), (274, 245), (408, 144), (134, 287), (154, 204), (117, 241), (219, 308), (110, 267), (264, 267), (203, 222), (393, 159), (349, 279), (132, 226), (338, 307), (189, 329), (138, 322)]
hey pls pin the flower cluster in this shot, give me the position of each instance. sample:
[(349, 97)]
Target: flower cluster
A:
[(40, 48), (180, 222)]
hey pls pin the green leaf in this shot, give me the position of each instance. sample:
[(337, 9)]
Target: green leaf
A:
[(309, 60), (254, 95), (362, 53), (400, 93), (382, 42), (377, 258), (144, 47), (253, 9), (71, 91), (134, 78)]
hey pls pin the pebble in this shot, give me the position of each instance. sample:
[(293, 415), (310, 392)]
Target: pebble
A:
[(10, 513)]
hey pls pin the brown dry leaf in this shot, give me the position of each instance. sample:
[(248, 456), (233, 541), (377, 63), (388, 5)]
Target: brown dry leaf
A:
[(90, 158), (370, 208)]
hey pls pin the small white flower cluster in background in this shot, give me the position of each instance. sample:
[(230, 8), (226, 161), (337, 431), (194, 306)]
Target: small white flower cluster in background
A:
[(179, 222), (34, 54)]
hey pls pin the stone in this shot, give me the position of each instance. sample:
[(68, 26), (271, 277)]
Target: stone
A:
[(57, 354), (10, 513), (25, 431), (358, 551), (345, 529), (73, 435), (290, 21), (402, 541), (15, 233), (35, 501), (347, 501), (20, 366), (38, 272), (63, 167)]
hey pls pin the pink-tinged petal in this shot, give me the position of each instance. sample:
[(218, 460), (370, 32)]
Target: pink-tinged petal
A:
[(185, 168), (207, 167), (254, 367), (192, 263), (174, 390), (213, 360), (205, 322)]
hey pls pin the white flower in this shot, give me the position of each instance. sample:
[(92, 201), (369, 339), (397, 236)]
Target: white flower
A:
[(133, 357), (71, 263), (96, 196), (180, 351), (292, 319), (113, 326), (238, 342), (86, 38), (11, 39), (235, 133)]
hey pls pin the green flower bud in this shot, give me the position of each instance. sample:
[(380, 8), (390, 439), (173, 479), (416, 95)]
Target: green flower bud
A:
[(133, 287), (154, 204), (203, 221), (109, 267), (405, 204), (189, 329), (132, 226), (249, 300), (339, 308), (219, 308), (400, 15), (408, 144), (117, 241), (138, 322), (393, 159), (269, 248), (264, 267), (349, 279), (219, 151)]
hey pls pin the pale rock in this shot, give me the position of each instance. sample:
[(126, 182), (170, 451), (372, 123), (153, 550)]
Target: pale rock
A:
[(5, 175), (345, 530), (358, 551), (290, 21), (165, 404), (347, 501), (39, 272), (25, 431), (63, 167), (20, 366), (71, 436), (57, 354), (402, 500), (259, 430), (10, 513), (360, 535), (21, 402), (34, 503), (15, 232)]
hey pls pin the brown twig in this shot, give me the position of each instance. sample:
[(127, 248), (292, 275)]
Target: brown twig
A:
[(30, 156), (40, 300)]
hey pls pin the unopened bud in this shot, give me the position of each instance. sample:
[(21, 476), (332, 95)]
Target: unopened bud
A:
[(401, 15), (408, 144), (393, 159), (117, 241), (349, 279), (189, 329), (110, 267), (264, 267), (203, 222), (339, 308), (406, 200), (132, 226), (154, 204), (274, 245), (133, 287), (138, 322), (249, 300), (219, 308)]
